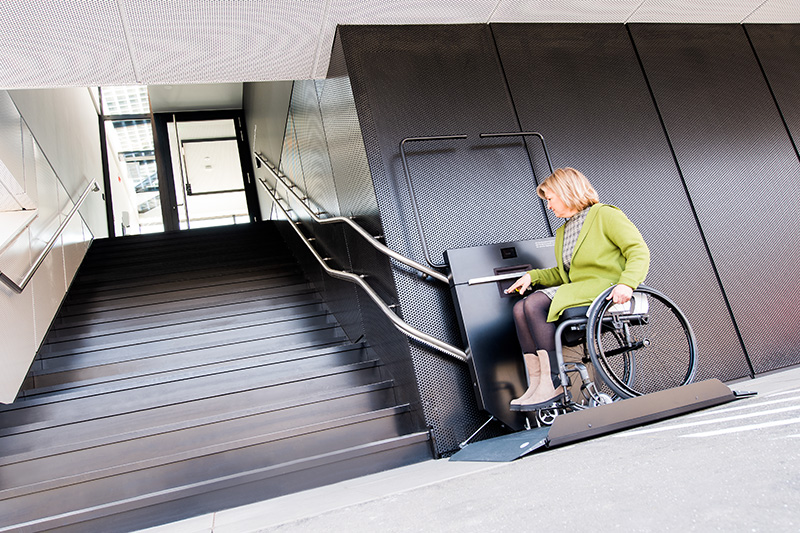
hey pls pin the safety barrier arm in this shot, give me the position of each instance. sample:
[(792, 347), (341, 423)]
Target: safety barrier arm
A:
[(414, 207), (407, 173), (361, 231), (522, 134), (39, 260), (399, 323)]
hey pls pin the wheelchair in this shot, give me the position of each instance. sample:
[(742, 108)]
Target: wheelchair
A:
[(640, 347)]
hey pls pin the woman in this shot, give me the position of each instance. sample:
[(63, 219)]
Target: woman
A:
[(597, 248)]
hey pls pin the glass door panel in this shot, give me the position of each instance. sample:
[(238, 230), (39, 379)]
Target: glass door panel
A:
[(131, 160), (134, 180)]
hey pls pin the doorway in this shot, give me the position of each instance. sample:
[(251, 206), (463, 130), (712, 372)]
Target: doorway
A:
[(206, 168)]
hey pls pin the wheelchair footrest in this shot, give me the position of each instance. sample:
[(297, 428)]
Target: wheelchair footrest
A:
[(632, 412)]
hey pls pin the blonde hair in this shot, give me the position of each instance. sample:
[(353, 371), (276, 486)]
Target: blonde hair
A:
[(571, 186)]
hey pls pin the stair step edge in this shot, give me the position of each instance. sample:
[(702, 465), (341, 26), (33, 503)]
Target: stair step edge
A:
[(222, 366), (108, 439), (37, 425), (205, 451), (217, 484)]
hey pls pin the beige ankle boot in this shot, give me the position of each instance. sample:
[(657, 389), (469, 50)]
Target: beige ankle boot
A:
[(533, 370), (545, 393)]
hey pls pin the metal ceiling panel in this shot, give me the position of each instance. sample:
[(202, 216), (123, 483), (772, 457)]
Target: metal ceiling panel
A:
[(564, 11), (399, 12), (710, 11), (776, 12), (208, 41), (61, 43)]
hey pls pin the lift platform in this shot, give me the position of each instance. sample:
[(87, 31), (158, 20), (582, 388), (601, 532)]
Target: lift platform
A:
[(601, 420), (478, 279)]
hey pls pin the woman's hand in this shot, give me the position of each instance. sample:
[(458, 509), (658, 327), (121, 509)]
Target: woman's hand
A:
[(521, 285), (621, 294)]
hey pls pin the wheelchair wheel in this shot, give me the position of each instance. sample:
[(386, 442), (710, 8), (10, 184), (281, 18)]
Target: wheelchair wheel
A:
[(641, 351)]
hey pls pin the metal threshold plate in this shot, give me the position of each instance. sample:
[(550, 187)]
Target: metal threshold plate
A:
[(505, 448), (601, 420)]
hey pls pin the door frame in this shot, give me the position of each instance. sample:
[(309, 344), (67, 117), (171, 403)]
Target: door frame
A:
[(166, 178)]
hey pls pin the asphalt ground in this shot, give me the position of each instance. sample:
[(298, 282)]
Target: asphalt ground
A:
[(734, 467)]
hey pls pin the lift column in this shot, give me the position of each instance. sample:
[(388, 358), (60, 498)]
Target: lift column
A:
[(478, 279)]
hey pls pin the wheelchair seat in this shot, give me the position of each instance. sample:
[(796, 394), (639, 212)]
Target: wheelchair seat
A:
[(576, 334), (574, 312)]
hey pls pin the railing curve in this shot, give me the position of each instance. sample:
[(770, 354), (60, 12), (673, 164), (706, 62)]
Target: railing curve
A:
[(361, 231), (398, 322)]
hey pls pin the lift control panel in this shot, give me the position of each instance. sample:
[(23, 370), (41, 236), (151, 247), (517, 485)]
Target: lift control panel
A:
[(479, 277)]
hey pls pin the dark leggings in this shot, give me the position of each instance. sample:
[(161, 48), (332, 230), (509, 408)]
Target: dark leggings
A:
[(534, 331)]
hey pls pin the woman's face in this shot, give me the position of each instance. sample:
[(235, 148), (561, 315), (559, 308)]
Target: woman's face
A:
[(557, 206)]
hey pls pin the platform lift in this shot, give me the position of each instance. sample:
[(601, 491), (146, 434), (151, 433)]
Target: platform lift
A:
[(478, 279), (616, 398)]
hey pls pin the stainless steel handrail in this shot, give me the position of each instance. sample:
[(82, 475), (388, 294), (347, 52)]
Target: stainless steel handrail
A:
[(398, 322), (39, 260), (361, 231), (412, 195), (31, 217)]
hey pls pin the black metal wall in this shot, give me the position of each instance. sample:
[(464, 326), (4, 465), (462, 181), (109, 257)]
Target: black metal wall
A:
[(323, 154), (439, 80), (738, 163), (673, 123), (777, 48), (582, 87)]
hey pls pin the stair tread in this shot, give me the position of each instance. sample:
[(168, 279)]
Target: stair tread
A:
[(165, 329), (221, 483), (133, 374), (20, 447), (38, 415), (239, 293), (184, 366), (208, 346), (183, 316), (87, 289), (163, 448), (182, 292)]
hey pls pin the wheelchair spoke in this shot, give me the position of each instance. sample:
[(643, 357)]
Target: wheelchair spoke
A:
[(646, 352)]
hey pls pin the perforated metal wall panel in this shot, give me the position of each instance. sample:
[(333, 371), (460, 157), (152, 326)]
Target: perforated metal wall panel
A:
[(433, 80), (321, 191), (738, 164), (582, 87), (323, 115), (356, 196), (777, 48), (313, 147)]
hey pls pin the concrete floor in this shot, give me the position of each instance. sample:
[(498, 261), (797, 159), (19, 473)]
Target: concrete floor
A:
[(735, 467)]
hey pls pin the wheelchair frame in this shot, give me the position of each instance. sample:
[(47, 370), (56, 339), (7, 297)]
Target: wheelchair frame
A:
[(596, 322)]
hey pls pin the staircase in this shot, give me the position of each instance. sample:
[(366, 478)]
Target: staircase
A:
[(190, 372)]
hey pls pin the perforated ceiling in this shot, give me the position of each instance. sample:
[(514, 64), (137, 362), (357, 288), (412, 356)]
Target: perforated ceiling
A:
[(53, 43)]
